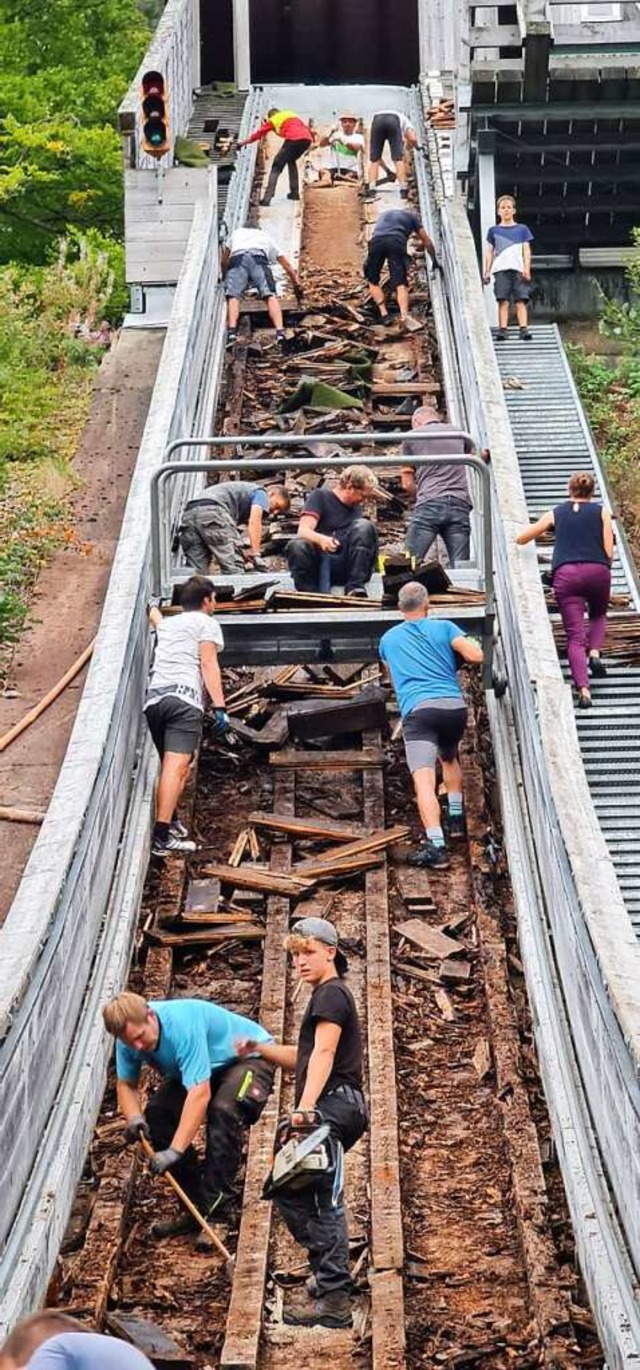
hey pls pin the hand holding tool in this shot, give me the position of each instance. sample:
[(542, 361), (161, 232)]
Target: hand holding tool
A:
[(195, 1213)]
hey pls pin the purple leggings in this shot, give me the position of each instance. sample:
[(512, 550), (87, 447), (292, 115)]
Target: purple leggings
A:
[(578, 585)]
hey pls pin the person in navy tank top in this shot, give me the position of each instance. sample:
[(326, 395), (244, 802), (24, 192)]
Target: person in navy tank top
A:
[(581, 576)]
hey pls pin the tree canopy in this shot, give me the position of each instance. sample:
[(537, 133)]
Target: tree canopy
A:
[(64, 68)]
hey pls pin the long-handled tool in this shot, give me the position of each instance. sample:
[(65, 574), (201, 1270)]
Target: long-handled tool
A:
[(195, 1213)]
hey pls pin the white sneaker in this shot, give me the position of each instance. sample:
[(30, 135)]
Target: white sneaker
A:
[(172, 844)]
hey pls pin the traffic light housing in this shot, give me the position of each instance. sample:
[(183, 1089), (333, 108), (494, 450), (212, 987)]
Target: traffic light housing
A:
[(155, 114)]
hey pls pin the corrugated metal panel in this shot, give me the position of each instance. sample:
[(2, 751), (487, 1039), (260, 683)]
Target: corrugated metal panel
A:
[(553, 440)]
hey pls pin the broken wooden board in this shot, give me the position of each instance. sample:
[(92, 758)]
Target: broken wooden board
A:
[(368, 759), (444, 1004), (203, 896), (414, 890), (152, 1341), (313, 828), (376, 841), (203, 937), (435, 944), (327, 718), (259, 878), (482, 1058), (454, 970), (345, 866), (274, 733)]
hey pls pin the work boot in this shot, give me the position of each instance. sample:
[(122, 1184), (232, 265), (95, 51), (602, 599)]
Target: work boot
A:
[(211, 1213), (358, 592), (293, 195), (266, 200), (329, 1310), (430, 857), (174, 1227)]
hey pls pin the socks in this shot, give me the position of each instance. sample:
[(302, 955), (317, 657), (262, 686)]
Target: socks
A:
[(436, 836), (161, 832), (455, 803)]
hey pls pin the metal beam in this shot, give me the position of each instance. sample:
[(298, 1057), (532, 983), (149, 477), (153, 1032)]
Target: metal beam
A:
[(486, 180), (241, 44)]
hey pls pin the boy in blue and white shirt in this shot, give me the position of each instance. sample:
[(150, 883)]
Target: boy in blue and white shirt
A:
[(508, 260)]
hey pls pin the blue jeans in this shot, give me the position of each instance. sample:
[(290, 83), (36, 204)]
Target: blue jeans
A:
[(447, 517)]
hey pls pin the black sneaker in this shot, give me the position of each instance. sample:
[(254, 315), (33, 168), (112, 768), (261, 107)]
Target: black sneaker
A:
[(291, 196), (232, 334), (526, 334), (404, 192), (597, 666), (385, 320), (457, 826), (330, 1310), (585, 701), (171, 845), (501, 335), (430, 857), (358, 592), (265, 201), (280, 337), (370, 193)]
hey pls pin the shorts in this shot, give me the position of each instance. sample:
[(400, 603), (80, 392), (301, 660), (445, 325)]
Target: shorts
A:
[(383, 249), (511, 286), (245, 269), (175, 726), (431, 731), (386, 128)]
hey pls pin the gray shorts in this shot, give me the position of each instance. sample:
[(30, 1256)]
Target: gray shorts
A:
[(175, 725), (245, 269), (511, 286), (433, 730)]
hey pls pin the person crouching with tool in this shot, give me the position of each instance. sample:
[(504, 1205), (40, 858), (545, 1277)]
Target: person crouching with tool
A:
[(191, 1043), (329, 1117)]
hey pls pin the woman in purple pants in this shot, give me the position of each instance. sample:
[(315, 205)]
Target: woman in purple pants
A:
[(581, 576)]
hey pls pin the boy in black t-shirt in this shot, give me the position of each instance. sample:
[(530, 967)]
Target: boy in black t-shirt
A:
[(336, 544), (328, 1067)]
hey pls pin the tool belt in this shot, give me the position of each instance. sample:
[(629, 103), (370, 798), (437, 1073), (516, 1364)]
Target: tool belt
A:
[(353, 1096)]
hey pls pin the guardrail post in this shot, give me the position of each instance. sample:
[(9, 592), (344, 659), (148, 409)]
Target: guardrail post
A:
[(487, 195)]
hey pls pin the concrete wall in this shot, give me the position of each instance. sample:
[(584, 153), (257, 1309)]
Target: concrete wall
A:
[(564, 295)]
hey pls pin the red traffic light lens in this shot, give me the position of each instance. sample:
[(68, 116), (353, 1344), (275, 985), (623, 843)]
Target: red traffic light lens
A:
[(153, 84)]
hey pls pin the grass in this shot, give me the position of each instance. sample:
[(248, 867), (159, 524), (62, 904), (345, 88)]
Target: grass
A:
[(611, 397)]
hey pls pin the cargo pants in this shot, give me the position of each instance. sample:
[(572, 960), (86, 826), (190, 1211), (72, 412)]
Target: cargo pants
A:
[(207, 530)]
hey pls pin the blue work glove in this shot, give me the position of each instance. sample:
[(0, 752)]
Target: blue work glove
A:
[(137, 1127), (220, 721), (163, 1160)]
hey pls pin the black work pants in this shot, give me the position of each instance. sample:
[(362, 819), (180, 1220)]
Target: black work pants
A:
[(352, 565), (235, 1104), (290, 152), (315, 1216)]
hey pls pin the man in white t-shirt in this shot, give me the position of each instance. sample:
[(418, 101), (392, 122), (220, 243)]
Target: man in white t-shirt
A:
[(389, 126), (185, 665), (252, 254)]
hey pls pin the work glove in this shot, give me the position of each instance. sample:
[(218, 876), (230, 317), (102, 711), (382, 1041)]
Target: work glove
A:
[(163, 1160), (220, 721), (298, 292), (259, 564), (136, 1128)]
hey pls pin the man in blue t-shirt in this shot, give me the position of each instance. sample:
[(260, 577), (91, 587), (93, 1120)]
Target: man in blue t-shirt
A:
[(211, 525), (192, 1043), (388, 243), (508, 260), (420, 655), (51, 1340)]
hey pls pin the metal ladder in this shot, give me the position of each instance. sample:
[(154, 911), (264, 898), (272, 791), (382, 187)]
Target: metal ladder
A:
[(552, 440)]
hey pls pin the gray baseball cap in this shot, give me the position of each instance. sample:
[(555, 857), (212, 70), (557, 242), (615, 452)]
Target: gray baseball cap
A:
[(323, 931)]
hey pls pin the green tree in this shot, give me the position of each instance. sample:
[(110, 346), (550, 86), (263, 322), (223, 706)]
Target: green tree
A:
[(64, 68)]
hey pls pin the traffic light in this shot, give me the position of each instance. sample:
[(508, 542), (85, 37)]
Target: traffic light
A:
[(155, 114)]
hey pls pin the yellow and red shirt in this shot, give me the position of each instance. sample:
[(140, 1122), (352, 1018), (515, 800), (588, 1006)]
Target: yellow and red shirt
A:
[(286, 124)]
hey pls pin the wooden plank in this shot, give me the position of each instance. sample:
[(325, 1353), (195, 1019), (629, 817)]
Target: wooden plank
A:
[(405, 388), (149, 1339), (387, 1235), (376, 841), (306, 827), (256, 878), (202, 937), (435, 944), (348, 865), (368, 759), (242, 1337), (387, 1327)]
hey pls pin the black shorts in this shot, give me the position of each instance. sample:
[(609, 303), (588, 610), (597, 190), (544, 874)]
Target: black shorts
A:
[(381, 250), (430, 732), (175, 725), (511, 286), (386, 128)]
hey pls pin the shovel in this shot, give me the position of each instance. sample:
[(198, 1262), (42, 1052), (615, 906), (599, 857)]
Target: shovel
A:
[(195, 1213)]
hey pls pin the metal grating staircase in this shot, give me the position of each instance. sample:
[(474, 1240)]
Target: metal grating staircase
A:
[(212, 113), (552, 440)]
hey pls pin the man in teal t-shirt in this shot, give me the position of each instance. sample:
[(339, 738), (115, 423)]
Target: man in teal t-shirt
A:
[(420, 655), (192, 1043)]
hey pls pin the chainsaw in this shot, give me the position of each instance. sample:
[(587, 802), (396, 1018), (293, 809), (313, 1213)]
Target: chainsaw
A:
[(303, 1154)]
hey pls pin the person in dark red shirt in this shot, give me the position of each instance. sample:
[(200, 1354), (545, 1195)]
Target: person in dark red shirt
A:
[(297, 139)]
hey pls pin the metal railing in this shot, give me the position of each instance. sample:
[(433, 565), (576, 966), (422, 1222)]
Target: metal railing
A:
[(569, 901)]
